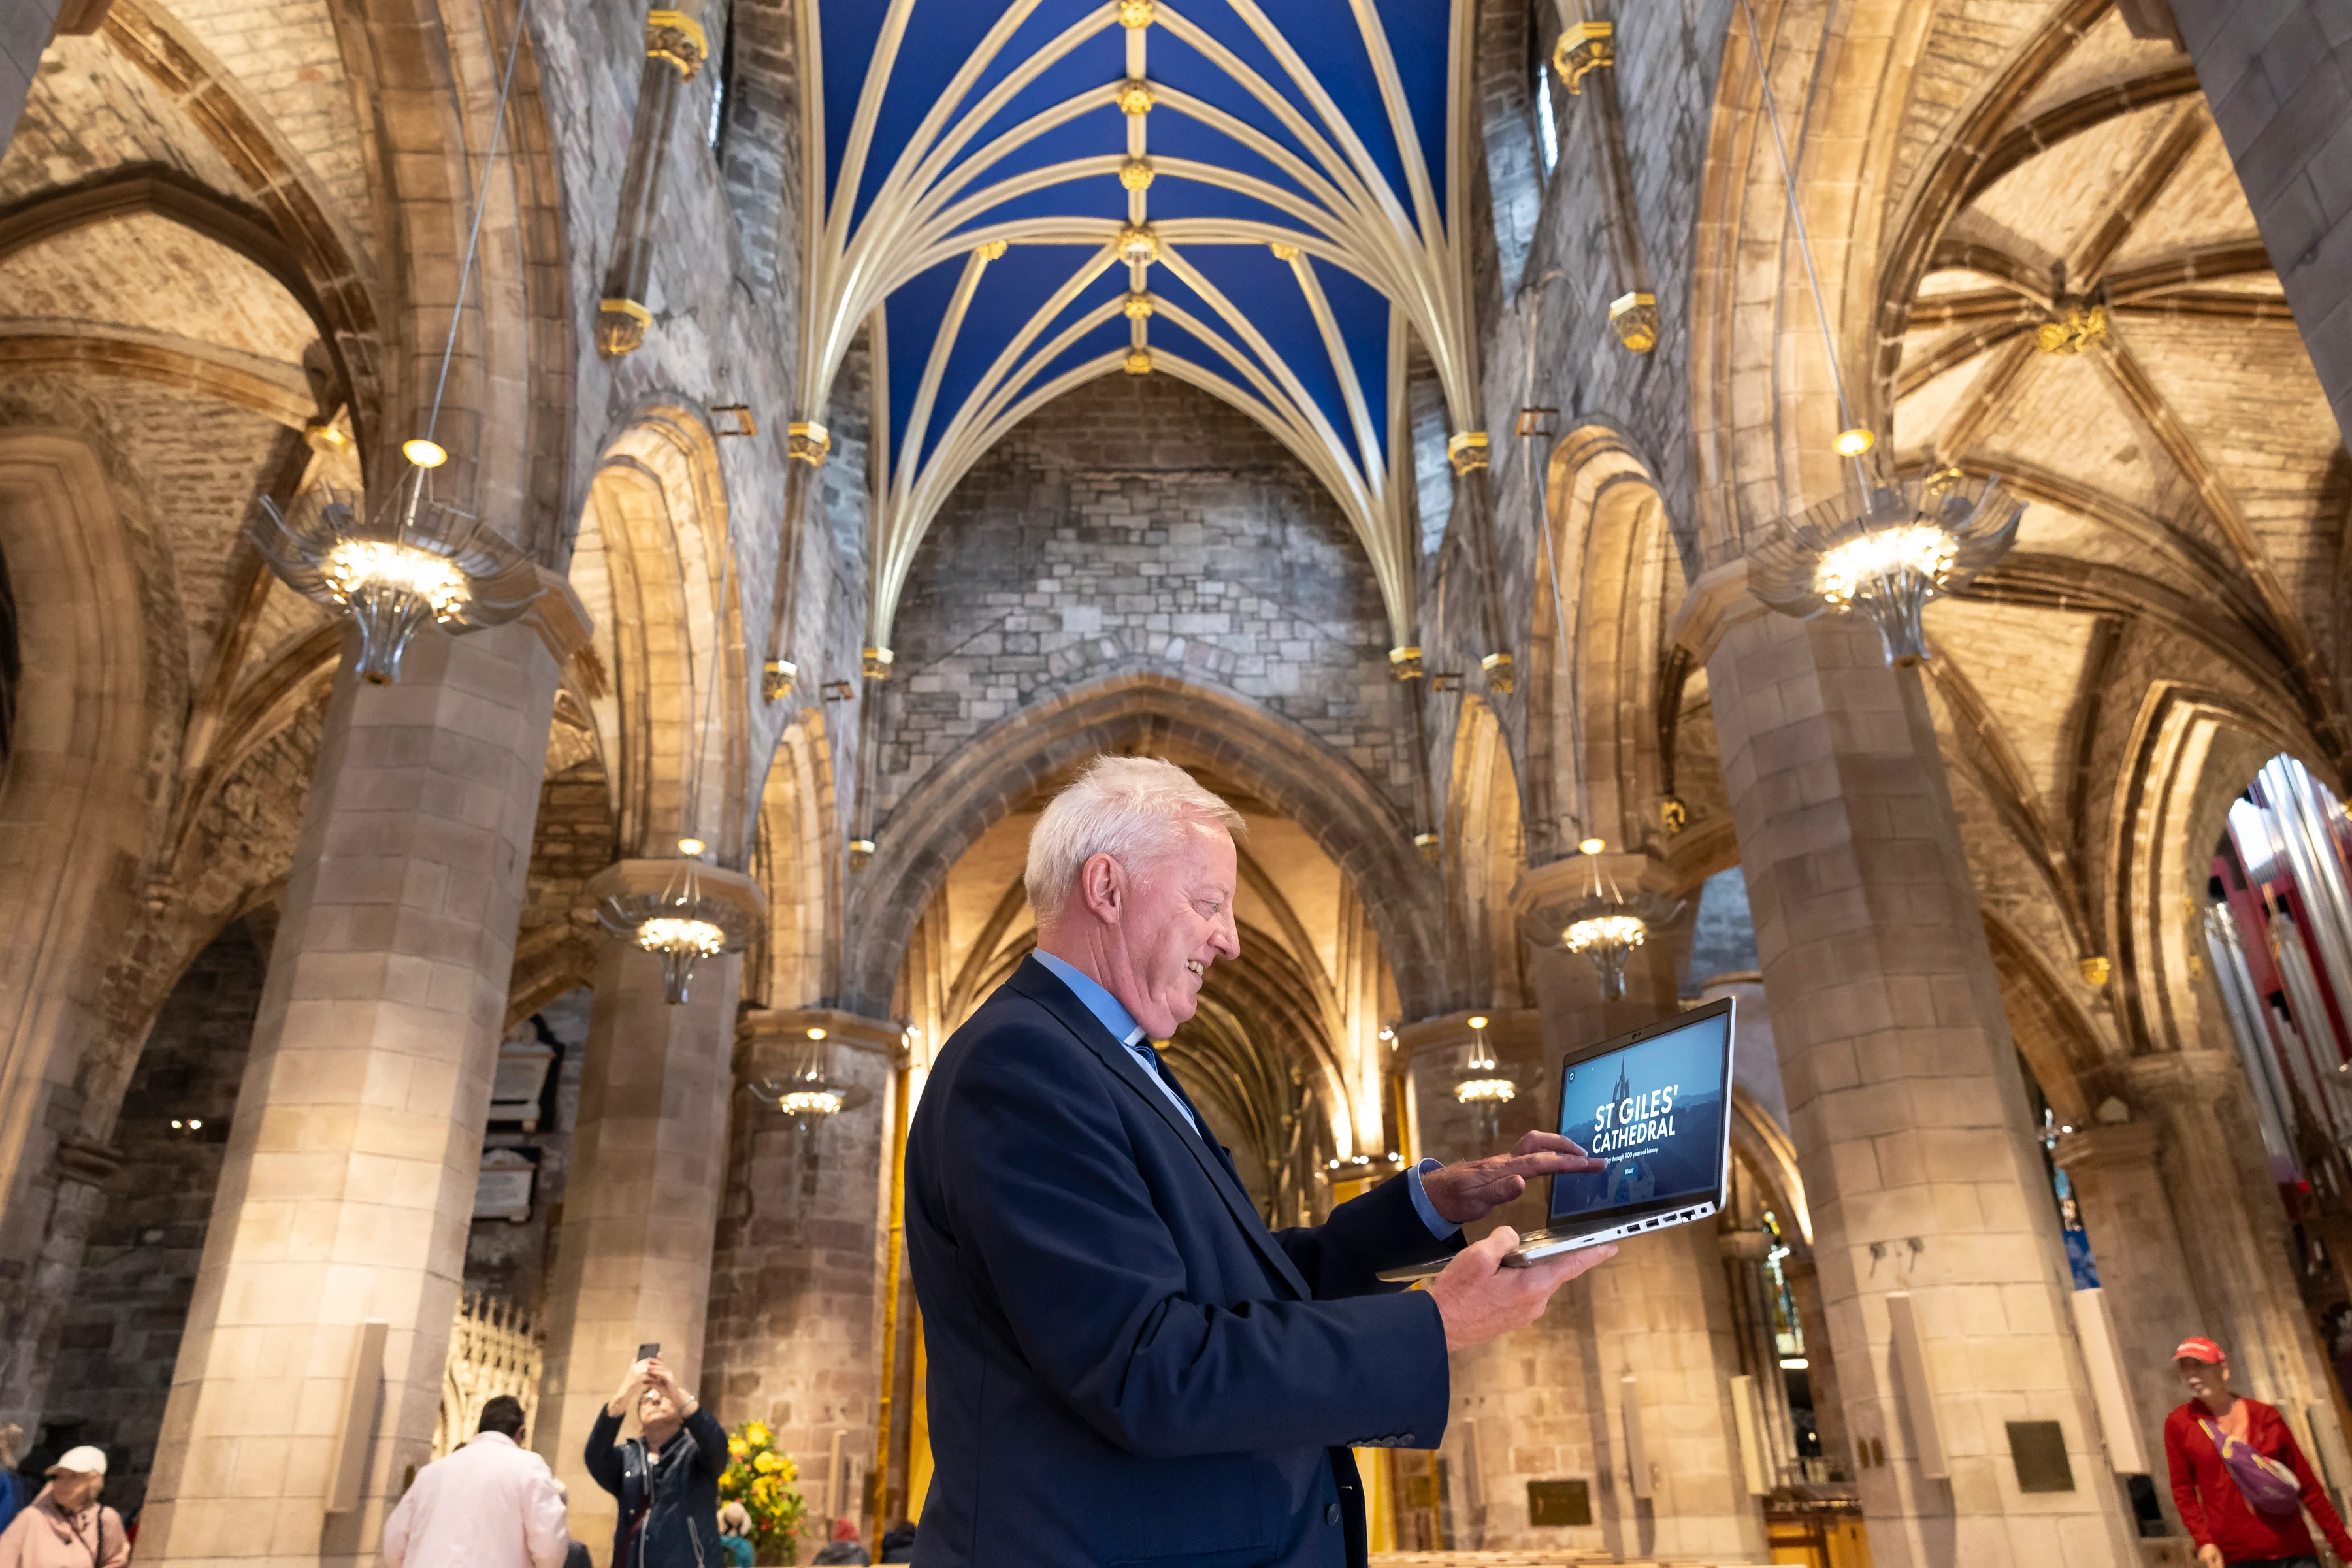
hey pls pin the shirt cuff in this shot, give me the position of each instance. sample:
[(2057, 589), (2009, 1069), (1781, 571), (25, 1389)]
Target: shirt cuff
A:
[(1439, 1225)]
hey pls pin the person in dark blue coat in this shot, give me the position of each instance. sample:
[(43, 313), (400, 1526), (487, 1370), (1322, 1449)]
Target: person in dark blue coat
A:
[(668, 1481), (1126, 1368)]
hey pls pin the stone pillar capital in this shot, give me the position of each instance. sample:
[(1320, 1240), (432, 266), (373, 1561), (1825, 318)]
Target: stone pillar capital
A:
[(1507, 1030), (559, 617), (1543, 896), (625, 877), (768, 1040), (2093, 1150), (2182, 1078), (1718, 601), (1743, 1245), (90, 1163)]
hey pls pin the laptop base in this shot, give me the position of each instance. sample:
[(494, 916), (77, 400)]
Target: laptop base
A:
[(1538, 1245)]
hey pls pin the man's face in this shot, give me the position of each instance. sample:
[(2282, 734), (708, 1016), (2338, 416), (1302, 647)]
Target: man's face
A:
[(1174, 922), (2206, 1381), (654, 1406)]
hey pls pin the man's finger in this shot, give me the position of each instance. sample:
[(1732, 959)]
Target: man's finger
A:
[(1546, 1164), (1538, 1142), (1495, 1245), (1553, 1272)]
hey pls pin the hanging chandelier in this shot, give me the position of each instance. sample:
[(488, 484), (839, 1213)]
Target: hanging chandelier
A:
[(679, 923), (808, 1092), (1484, 1087), (1906, 544), (417, 561), (1606, 925)]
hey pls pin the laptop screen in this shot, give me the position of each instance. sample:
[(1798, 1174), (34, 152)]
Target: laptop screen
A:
[(1655, 1111)]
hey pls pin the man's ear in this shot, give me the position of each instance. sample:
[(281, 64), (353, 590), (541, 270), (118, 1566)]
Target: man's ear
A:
[(1104, 887)]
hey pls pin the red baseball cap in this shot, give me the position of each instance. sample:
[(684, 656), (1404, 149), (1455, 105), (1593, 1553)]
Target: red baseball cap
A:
[(2196, 1347)]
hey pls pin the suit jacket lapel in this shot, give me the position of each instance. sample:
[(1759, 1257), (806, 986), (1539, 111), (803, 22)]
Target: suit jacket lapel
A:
[(1038, 983)]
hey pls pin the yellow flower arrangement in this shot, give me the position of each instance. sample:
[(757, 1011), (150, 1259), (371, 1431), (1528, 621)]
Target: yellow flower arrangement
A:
[(761, 1478)]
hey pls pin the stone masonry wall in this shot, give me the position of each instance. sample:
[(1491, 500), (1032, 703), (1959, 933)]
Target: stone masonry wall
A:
[(1136, 522), (114, 1364), (1546, 342)]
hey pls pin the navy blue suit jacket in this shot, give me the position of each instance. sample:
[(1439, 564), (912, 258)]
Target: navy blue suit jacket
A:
[(1126, 1366)]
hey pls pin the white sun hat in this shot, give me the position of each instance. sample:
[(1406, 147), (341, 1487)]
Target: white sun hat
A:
[(85, 1461)]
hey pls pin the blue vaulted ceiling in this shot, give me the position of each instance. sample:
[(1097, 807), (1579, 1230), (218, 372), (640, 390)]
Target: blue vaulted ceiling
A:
[(1011, 214)]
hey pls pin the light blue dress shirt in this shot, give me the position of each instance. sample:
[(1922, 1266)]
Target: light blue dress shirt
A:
[(1113, 1016)]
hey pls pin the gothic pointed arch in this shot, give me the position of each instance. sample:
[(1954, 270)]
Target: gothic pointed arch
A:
[(1149, 713)]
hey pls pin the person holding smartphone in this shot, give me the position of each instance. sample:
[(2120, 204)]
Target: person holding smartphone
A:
[(667, 1479)]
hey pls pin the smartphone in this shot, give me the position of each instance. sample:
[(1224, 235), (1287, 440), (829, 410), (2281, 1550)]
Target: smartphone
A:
[(648, 1352)]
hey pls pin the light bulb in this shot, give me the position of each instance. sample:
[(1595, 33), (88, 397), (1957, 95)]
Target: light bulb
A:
[(1853, 443)]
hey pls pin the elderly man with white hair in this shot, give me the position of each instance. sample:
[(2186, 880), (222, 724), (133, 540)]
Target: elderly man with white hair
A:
[(1127, 1366)]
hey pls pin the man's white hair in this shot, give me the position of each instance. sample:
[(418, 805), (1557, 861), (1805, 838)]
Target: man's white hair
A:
[(1133, 809)]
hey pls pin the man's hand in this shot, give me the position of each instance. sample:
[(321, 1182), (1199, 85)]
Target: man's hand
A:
[(1466, 1190), (631, 1387), (1478, 1299), (2209, 1556)]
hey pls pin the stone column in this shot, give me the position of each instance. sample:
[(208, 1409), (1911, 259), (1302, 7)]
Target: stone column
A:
[(2143, 1273), (1517, 1411), (1906, 1102), (796, 1300), (349, 1175), (641, 1203), (2280, 81), (1660, 1312), (2232, 1232)]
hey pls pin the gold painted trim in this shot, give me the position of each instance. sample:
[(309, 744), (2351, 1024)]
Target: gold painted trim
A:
[(1137, 243), (808, 441), (1405, 663), (1581, 50), (1467, 450), (1135, 98), (1500, 678), (1634, 319), (875, 662), (675, 36), (620, 326)]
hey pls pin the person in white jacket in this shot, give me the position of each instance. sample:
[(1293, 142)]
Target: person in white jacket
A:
[(491, 1504)]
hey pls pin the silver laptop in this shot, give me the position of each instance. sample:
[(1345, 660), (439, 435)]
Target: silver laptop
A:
[(1655, 1103)]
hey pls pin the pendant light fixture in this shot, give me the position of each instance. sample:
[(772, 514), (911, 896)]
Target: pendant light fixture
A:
[(684, 922), (1882, 550), (416, 559)]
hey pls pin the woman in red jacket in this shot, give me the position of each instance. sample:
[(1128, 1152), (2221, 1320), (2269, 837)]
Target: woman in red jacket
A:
[(2239, 1478)]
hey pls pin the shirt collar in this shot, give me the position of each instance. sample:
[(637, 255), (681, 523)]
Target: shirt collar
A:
[(1106, 1007)]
